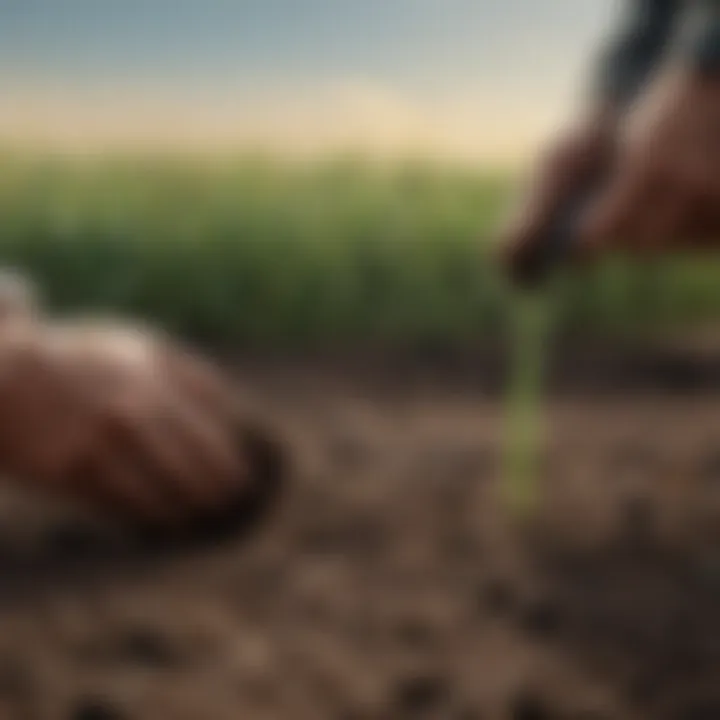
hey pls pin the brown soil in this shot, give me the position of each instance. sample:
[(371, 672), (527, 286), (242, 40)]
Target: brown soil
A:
[(391, 582)]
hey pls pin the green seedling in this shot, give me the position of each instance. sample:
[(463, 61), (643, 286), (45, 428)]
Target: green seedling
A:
[(531, 326)]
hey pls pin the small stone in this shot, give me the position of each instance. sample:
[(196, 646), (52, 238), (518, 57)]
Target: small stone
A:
[(542, 619), (528, 707), (96, 709), (421, 694)]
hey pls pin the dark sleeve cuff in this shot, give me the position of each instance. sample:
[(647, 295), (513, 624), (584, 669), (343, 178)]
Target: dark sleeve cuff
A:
[(637, 49), (700, 39)]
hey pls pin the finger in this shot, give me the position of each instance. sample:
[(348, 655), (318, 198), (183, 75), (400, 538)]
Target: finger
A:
[(701, 226), (701, 230), (163, 460), (609, 222), (523, 256), (662, 227), (208, 443), (523, 238), (107, 478)]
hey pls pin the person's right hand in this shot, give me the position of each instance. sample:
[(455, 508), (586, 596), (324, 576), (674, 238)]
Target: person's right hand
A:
[(663, 194), (571, 161), (122, 421)]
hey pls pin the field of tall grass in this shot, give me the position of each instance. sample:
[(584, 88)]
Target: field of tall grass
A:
[(254, 252)]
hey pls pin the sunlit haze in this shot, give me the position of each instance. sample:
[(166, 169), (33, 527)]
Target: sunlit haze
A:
[(480, 79)]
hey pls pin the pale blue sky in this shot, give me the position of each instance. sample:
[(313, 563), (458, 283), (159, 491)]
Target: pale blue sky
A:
[(429, 67)]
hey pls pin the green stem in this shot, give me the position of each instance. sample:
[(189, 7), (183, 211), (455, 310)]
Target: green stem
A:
[(531, 323)]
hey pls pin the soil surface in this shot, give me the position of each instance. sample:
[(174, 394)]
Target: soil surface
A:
[(391, 581)]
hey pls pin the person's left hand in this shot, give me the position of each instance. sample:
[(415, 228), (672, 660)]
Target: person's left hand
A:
[(129, 423)]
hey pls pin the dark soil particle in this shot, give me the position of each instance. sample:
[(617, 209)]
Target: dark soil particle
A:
[(420, 696), (96, 709)]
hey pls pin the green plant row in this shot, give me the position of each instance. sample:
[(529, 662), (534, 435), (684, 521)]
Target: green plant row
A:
[(254, 252)]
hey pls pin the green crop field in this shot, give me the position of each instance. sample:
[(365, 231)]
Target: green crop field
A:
[(253, 252)]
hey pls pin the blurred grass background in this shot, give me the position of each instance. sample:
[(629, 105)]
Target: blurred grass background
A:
[(260, 253)]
